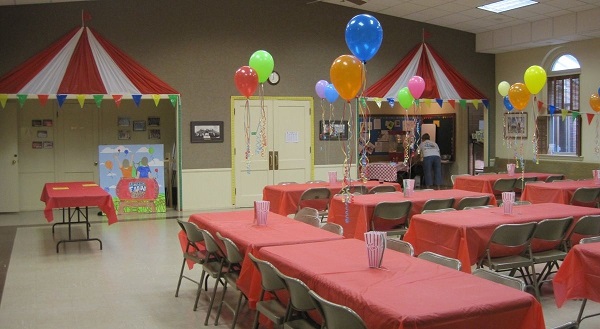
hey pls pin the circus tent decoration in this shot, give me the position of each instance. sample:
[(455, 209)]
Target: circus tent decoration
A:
[(442, 81), (82, 64)]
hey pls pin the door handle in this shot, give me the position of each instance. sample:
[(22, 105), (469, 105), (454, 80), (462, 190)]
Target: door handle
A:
[(14, 162), (276, 160), (270, 160)]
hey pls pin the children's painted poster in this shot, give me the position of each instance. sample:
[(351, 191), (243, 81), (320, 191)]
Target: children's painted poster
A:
[(134, 176)]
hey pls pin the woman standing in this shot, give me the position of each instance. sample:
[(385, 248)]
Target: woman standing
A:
[(432, 162)]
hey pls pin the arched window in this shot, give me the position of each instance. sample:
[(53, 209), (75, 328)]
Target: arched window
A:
[(561, 134)]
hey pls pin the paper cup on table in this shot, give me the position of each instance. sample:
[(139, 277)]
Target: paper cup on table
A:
[(510, 168), (596, 174), (375, 242), (508, 200), (332, 177), (261, 210), (408, 186)]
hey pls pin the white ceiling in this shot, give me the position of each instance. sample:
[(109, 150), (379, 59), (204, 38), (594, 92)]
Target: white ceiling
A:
[(547, 23)]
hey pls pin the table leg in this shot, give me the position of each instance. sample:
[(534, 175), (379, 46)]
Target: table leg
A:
[(80, 215)]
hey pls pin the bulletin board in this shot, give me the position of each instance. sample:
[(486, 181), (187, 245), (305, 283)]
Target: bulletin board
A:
[(387, 132)]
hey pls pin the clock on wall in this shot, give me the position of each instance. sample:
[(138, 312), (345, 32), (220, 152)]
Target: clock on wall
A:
[(273, 78)]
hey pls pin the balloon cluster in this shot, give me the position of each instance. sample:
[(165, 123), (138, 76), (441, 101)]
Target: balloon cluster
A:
[(257, 71), (326, 90), (517, 96)]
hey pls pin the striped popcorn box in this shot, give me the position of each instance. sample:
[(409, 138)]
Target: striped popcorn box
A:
[(596, 174), (332, 177), (375, 242), (261, 209), (510, 168)]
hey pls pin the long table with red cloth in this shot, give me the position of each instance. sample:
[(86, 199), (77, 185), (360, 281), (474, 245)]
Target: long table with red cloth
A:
[(77, 194), (557, 191), (239, 227), (485, 183), (406, 292), (361, 207), (579, 274), (284, 198), (464, 234)]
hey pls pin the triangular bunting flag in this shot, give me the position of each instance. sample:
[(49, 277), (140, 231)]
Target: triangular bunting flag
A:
[(22, 98), (117, 99), (476, 104), (563, 113), (439, 101), (137, 99), (427, 101), (590, 117), (463, 104), (452, 103), (98, 100), (551, 109), (156, 99), (486, 103), (3, 99), (173, 99), (81, 100), (574, 114), (43, 99), (61, 99), (540, 105), (390, 100)]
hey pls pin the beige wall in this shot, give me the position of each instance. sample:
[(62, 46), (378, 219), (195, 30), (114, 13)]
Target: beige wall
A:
[(511, 67)]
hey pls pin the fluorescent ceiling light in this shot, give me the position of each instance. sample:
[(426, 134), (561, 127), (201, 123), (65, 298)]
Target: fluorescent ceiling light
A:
[(506, 5)]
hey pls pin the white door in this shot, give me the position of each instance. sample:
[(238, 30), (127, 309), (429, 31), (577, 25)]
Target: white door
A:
[(77, 142), (287, 155), (9, 161)]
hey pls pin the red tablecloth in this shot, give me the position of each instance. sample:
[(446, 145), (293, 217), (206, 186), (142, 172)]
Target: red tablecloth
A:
[(239, 227), (579, 274), (407, 292), (465, 234), (387, 171), (484, 183), (77, 194), (284, 198), (558, 191), (360, 209)]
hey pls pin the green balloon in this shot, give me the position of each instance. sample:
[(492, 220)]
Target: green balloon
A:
[(151, 150), (262, 62), (405, 97)]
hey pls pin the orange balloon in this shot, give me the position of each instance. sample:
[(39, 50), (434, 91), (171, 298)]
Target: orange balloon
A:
[(519, 95), (595, 102), (108, 164), (347, 76)]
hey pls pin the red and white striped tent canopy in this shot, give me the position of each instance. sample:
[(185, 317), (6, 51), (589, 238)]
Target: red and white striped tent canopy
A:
[(442, 81), (82, 62)]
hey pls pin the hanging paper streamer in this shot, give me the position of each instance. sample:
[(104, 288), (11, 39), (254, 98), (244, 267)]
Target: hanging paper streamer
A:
[(597, 148)]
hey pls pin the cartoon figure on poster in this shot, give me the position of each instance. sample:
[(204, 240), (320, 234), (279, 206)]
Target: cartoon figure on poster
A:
[(138, 185)]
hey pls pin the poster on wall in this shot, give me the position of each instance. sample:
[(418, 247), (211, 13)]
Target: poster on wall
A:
[(134, 176)]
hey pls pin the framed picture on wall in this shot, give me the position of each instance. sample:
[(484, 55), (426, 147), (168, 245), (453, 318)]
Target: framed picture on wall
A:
[(124, 134), (139, 125), (154, 134), (206, 131), (333, 130), (515, 125), (123, 121), (154, 121)]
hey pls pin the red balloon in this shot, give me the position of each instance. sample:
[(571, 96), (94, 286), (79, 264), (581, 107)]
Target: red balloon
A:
[(246, 80)]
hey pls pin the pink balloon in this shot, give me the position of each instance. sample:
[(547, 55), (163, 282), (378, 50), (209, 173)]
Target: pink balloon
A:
[(320, 88), (416, 86)]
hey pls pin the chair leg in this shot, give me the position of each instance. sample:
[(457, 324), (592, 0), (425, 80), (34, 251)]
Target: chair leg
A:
[(237, 310), (202, 278), (180, 277), (212, 299), (255, 324), (221, 304), (535, 282)]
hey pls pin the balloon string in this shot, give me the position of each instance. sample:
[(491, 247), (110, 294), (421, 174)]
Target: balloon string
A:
[(261, 140), (597, 149), (348, 197), (247, 134), (536, 132)]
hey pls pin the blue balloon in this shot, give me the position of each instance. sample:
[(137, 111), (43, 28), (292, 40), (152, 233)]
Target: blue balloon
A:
[(507, 104), (364, 35), (330, 93)]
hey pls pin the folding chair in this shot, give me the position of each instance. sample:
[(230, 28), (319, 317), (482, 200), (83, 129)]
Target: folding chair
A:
[(400, 246), (453, 177), (590, 240), (506, 280), (551, 234), (213, 269), (586, 226), (193, 252), (233, 266), (436, 204), (333, 228), (394, 211), (300, 304), (586, 196), (309, 216), (553, 178), (441, 260), (473, 201), (316, 197), (336, 316), (504, 185), (270, 282), (382, 189)]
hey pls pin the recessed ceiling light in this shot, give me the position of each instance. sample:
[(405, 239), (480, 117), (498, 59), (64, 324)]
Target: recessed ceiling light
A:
[(506, 5)]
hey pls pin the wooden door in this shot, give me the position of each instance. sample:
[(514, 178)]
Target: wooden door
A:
[(9, 160), (288, 153)]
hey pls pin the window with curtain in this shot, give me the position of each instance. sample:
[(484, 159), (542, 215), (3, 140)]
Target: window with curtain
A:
[(561, 134)]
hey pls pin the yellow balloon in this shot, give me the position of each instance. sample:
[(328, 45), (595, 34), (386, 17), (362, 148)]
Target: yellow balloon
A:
[(535, 78), (346, 74), (519, 95), (503, 88), (595, 102)]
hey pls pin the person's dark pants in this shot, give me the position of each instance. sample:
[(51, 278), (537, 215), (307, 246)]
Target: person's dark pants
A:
[(432, 170)]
